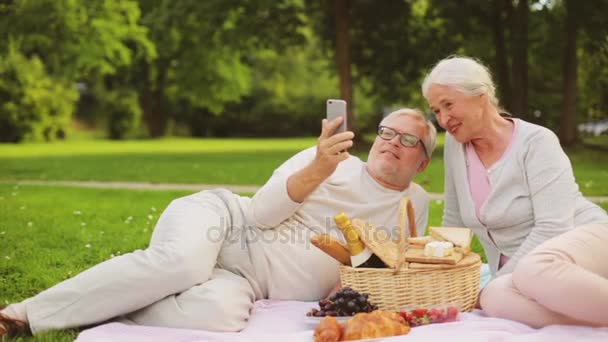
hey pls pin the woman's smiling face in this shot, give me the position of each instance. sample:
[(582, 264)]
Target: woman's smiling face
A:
[(459, 114)]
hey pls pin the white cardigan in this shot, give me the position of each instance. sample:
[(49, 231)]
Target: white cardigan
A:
[(533, 196)]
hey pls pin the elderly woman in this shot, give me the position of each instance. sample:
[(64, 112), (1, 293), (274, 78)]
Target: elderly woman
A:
[(512, 184)]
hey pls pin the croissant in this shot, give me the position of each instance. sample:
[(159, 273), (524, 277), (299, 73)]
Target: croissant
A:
[(362, 326), (328, 330), (374, 324)]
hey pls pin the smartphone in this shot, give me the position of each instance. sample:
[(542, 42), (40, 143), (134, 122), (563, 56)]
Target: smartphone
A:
[(336, 108)]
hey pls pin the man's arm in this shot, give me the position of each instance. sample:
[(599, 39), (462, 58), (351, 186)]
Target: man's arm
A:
[(298, 177), (328, 156)]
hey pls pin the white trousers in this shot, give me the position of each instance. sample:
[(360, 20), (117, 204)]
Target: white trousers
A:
[(175, 282)]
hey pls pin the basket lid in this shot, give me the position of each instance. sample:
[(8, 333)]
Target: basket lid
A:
[(390, 251)]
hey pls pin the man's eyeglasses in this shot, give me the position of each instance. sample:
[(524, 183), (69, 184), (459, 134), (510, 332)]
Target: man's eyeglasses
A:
[(406, 139)]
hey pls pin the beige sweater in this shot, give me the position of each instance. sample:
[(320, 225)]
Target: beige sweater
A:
[(293, 264), (533, 197)]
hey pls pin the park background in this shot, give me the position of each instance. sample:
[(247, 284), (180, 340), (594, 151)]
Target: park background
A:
[(110, 109)]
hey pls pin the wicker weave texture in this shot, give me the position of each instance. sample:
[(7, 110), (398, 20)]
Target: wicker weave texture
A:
[(415, 288)]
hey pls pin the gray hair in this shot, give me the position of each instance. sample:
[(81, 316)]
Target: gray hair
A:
[(465, 74), (430, 138)]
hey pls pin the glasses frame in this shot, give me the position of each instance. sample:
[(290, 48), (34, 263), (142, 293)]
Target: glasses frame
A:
[(403, 138)]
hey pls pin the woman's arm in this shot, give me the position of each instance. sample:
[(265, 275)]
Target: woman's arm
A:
[(553, 192)]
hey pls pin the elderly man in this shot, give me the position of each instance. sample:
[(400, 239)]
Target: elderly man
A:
[(213, 253)]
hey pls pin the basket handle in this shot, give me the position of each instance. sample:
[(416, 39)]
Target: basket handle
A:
[(406, 211)]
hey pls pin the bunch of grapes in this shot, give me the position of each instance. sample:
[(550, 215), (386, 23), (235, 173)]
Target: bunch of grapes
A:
[(346, 302)]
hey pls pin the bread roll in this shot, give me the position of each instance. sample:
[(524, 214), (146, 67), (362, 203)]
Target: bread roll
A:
[(333, 247), (328, 330), (375, 324)]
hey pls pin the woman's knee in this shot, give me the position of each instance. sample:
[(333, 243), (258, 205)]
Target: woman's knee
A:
[(491, 297), (535, 268)]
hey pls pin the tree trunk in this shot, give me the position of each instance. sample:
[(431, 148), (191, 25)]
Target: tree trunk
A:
[(151, 102), (502, 65), (567, 121), (342, 17), (520, 60), (153, 114)]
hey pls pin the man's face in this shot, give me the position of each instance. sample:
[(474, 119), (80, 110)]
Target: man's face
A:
[(392, 164)]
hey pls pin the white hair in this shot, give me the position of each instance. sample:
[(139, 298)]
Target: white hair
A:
[(429, 139), (464, 74)]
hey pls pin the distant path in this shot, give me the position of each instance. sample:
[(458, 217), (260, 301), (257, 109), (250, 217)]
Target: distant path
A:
[(189, 187)]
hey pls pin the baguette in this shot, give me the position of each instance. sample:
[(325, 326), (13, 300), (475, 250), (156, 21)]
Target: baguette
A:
[(332, 247)]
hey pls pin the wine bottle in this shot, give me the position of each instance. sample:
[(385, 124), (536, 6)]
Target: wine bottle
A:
[(360, 255)]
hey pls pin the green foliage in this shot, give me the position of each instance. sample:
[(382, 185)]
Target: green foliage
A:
[(77, 41), (264, 67), (124, 113), (204, 63), (34, 105), (78, 38), (594, 81)]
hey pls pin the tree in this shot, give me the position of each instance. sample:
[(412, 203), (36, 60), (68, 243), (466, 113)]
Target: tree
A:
[(75, 40), (519, 70), (33, 105), (204, 51), (342, 15), (580, 17), (567, 127)]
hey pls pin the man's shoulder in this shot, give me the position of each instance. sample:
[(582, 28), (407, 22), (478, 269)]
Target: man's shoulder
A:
[(418, 191)]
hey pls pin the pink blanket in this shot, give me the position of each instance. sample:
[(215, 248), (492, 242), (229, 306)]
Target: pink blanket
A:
[(285, 321)]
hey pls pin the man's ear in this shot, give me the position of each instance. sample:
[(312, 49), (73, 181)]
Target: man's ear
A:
[(423, 165)]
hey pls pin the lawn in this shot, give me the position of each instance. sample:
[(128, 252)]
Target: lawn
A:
[(48, 234), (214, 161)]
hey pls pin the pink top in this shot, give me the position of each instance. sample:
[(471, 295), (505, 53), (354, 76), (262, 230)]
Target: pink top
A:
[(479, 181)]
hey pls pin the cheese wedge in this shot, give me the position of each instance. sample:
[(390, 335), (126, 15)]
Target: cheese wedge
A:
[(460, 237)]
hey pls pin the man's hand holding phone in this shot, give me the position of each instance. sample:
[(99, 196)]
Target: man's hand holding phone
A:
[(331, 150), (333, 145)]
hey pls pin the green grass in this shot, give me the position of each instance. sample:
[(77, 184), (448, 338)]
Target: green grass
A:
[(590, 169), (50, 234), (215, 161), (234, 161), (600, 141)]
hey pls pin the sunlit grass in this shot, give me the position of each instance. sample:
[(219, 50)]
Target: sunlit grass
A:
[(166, 145), (215, 161)]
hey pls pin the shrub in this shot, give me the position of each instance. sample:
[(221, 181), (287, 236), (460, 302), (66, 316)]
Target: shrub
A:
[(124, 113), (33, 105)]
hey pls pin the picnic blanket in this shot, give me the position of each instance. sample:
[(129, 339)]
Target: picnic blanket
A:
[(273, 320)]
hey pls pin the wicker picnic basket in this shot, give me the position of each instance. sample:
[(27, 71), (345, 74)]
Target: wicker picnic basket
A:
[(401, 285)]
